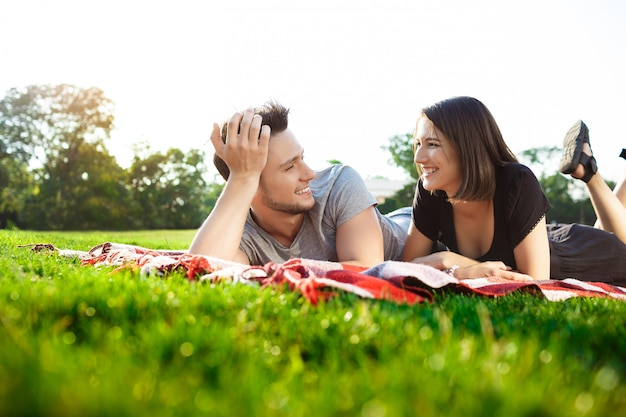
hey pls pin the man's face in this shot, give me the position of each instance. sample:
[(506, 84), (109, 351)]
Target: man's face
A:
[(284, 184)]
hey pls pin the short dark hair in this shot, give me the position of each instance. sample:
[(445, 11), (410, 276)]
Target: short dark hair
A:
[(273, 114), (473, 131)]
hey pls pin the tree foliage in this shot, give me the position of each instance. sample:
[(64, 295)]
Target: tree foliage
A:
[(39, 121), (15, 182), (401, 149), (168, 189), (80, 189), (57, 173)]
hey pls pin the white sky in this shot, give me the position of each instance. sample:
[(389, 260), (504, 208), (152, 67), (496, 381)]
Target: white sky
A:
[(354, 72)]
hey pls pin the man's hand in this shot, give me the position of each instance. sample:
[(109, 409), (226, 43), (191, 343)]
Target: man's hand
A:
[(246, 147)]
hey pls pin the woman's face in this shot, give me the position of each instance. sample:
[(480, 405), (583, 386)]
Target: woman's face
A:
[(437, 158)]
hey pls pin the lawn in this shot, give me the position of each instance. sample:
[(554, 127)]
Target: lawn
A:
[(80, 341)]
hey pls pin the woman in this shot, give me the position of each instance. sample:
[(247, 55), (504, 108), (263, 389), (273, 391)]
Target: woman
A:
[(489, 210)]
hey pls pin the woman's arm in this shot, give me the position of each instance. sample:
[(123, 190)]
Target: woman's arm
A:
[(532, 255), (418, 247)]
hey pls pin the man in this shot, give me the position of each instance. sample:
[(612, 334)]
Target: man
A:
[(274, 207)]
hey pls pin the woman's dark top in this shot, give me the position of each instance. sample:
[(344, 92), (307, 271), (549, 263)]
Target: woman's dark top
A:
[(519, 204)]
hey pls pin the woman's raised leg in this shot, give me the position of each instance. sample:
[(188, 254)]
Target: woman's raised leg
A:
[(578, 161)]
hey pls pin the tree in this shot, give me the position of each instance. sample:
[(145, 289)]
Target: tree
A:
[(83, 188), (58, 132), (41, 120), (169, 189), (16, 181), (401, 149)]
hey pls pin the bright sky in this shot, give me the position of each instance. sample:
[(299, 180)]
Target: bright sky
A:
[(354, 72)]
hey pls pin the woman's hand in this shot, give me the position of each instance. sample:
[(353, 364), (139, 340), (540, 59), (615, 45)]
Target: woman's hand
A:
[(490, 269), (466, 268)]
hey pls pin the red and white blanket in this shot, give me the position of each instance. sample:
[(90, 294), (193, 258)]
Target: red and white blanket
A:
[(400, 282)]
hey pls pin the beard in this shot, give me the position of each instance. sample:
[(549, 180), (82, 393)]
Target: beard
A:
[(282, 206)]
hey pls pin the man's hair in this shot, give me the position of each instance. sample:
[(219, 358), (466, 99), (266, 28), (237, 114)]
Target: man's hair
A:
[(273, 114), (474, 133)]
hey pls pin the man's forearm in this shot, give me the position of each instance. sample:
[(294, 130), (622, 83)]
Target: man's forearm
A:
[(220, 234)]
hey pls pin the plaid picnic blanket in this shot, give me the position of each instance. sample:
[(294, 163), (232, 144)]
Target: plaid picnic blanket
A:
[(399, 282)]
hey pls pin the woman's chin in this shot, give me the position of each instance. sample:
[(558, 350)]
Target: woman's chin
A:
[(428, 185)]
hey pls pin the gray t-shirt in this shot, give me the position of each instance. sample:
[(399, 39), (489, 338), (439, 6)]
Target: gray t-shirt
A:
[(340, 194)]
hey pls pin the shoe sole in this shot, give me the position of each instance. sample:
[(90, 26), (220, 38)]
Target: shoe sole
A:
[(572, 147)]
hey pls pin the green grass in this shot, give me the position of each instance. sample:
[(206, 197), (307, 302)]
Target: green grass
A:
[(77, 341)]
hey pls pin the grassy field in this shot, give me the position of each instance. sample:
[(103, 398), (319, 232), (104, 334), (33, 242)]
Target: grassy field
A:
[(77, 341)]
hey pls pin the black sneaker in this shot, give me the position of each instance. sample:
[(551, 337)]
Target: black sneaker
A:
[(573, 147)]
